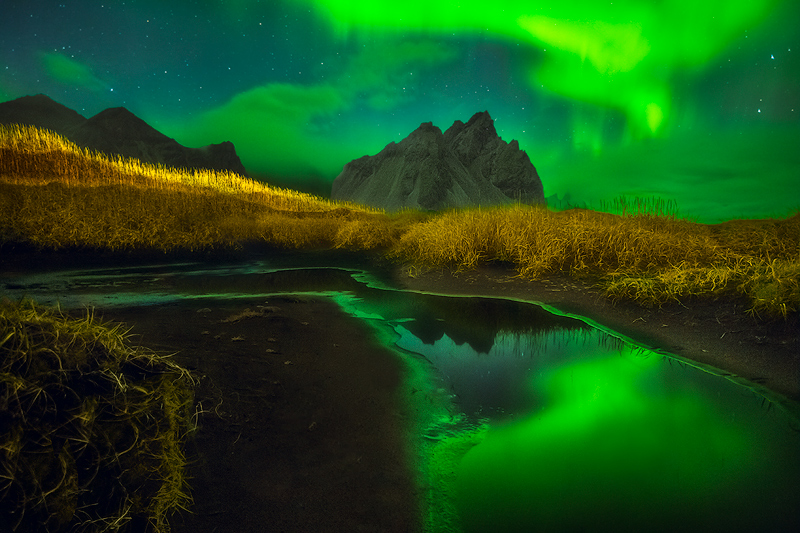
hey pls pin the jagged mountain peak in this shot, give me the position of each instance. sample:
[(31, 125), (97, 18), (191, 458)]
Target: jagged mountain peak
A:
[(468, 164), (481, 119)]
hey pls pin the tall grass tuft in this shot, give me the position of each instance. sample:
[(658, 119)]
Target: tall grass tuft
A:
[(93, 429)]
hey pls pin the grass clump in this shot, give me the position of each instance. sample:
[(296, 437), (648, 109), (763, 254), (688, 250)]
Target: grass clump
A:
[(92, 429)]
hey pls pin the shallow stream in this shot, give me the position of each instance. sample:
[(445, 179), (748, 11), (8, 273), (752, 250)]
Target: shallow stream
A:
[(534, 420)]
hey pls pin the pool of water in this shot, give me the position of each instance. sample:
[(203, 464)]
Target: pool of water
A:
[(534, 420), (582, 432)]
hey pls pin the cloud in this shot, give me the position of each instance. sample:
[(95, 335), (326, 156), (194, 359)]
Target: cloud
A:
[(387, 74), (286, 128), (70, 71), (609, 48), (284, 102), (389, 61), (269, 125)]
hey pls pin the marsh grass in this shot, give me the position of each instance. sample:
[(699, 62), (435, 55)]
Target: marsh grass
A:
[(55, 195), (93, 428)]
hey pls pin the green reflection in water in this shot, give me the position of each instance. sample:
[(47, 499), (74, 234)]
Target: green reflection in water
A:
[(614, 449), (567, 428), (492, 385)]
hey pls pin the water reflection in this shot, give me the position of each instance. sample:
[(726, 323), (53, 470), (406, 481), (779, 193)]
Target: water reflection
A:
[(473, 321), (494, 384), (586, 432), (159, 284)]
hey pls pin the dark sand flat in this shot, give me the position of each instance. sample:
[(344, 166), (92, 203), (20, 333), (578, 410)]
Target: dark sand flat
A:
[(302, 426)]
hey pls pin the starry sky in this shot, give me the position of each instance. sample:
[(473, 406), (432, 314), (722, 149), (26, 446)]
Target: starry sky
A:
[(693, 101)]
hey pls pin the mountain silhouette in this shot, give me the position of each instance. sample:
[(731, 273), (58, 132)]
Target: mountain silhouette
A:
[(117, 131), (42, 112)]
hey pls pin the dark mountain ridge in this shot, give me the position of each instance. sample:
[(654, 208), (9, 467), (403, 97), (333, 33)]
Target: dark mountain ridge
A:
[(42, 112), (117, 131)]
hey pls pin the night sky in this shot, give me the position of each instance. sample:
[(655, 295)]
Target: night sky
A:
[(690, 100)]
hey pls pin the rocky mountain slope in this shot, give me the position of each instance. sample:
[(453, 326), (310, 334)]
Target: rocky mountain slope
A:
[(469, 164)]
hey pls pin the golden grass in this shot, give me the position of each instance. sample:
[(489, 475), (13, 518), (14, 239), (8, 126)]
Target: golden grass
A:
[(56, 195), (539, 241), (650, 259), (93, 429), (29, 156)]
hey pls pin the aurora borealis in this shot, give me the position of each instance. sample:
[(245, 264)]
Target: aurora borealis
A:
[(693, 101)]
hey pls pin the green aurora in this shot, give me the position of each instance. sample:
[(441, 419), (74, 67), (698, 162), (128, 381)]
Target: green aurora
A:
[(690, 101), (620, 68)]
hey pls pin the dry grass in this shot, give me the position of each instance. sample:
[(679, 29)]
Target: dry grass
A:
[(650, 259), (55, 195), (539, 241), (30, 156), (93, 429)]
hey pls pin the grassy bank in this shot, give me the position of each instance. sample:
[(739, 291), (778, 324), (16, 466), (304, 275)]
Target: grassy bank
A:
[(54, 195), (93, 428), (650, 259)]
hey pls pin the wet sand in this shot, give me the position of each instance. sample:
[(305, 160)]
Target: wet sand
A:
[(304, 420), (303, 427)]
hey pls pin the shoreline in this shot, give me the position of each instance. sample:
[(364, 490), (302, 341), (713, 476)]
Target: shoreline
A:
[(714, 332), (303, 411), (711, 332)]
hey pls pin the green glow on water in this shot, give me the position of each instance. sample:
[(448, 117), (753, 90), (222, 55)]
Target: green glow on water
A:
[(583, 430), (443, 459), (614, 449)]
